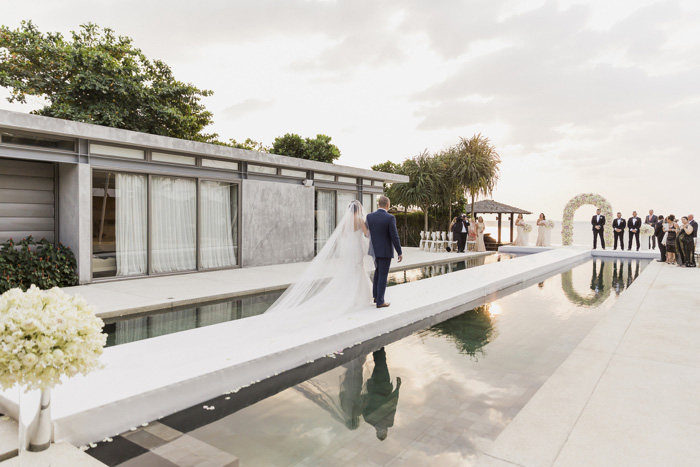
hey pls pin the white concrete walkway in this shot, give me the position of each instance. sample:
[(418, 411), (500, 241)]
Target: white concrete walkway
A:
[(147, 379), (628, 395), (122, 297)]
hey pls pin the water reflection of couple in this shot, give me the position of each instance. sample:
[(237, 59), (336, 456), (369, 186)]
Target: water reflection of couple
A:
[(376, 401)]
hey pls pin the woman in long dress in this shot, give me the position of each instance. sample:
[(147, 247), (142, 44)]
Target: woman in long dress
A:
[(520, 231), (671, 239), (685, 244), (480, 227), (541, 241), (337, 279)]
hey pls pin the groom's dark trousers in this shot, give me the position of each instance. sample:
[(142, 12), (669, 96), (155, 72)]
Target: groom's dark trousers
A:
[(384, 239)]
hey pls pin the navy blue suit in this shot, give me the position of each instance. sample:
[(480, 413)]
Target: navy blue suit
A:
[(384, 239)]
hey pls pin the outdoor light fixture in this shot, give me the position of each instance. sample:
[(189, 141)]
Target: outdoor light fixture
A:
[(308, 182)]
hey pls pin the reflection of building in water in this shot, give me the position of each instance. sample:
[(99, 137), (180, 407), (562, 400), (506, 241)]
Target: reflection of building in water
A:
[(470, 331), (380, 402)]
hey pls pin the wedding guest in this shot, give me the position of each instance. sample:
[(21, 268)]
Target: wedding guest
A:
[(651, 220), (598, 223), (659, 234), (480, 228), (541, 222), (633, 225), (520, 229), (671, 231), (459, 232), (694, 223), (619, 230), (686, 246)]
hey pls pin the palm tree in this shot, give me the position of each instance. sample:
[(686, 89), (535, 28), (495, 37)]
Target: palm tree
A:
[(477, 166), (422, 189), (449, 186)]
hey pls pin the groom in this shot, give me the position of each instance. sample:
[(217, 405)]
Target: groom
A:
[(598, 223), (384, 238)]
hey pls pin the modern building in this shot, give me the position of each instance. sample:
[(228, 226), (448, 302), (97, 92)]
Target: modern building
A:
[(132, 204)]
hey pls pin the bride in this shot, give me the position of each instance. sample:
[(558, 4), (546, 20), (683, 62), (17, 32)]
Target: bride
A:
[(337, 279)]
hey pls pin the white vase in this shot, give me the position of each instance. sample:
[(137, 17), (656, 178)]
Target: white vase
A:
[(35, 427)]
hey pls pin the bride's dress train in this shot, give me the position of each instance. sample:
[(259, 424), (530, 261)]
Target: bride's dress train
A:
[(337, 279)]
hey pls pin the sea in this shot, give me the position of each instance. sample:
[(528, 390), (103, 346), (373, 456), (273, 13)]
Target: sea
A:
[(583, 235)]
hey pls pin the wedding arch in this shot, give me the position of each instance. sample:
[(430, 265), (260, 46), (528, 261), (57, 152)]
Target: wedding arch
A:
[(567, 222), (601, 281)]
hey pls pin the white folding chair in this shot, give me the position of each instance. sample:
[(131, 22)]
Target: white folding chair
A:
[(422, 240)]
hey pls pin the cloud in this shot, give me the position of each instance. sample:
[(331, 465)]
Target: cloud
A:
[(245, 107)]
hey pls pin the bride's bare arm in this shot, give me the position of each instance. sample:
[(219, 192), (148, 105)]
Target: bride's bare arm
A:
[(363, 224)]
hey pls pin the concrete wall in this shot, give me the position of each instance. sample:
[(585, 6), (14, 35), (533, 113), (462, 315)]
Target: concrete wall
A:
[(278, 223), (74, 214)]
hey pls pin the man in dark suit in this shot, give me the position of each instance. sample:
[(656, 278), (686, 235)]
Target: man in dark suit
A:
[(384, 238), (651, 220), (619, 231), (659, 234), (598, 223), (634, 223), (459, 232), (382, 399)]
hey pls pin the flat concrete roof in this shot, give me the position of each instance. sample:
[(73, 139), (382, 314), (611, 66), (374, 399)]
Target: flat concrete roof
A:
[(98, 133)]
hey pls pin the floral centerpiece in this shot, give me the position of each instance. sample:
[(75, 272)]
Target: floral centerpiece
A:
[(549, 224), (527, 228), (44, 335), (646, 230)]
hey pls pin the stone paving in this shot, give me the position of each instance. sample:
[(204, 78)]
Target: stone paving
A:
[(628, 395)]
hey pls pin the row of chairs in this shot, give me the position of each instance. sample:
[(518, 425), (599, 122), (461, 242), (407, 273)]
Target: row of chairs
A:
[(440, 241)]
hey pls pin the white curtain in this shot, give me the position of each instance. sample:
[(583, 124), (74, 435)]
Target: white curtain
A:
[(218, 229), (344, 200), (131, 232), (325, 217), (174, 224)]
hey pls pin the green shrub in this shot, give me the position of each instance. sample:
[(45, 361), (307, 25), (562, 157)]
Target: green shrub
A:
[(40, 263)]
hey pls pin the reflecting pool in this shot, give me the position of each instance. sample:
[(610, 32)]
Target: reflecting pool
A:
[(436, 393), (134, 328)]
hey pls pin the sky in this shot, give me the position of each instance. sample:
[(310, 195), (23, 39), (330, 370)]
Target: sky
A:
[(577, 96)]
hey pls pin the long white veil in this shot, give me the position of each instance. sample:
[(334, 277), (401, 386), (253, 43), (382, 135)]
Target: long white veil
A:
[(337, 279)]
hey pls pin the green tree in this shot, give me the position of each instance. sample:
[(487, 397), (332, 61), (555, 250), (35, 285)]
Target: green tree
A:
[(249, 144), (449, 188), (100, 78), (477, 166), (291, 145), (388, 167), (320, 149), (422, 189)]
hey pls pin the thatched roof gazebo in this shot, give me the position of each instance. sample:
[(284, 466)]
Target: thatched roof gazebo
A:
[(489, 206)]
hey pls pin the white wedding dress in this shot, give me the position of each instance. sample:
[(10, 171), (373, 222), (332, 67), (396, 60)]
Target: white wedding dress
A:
[(337, 279)]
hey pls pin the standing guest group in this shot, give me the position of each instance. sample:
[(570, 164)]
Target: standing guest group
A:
[(677, 238)]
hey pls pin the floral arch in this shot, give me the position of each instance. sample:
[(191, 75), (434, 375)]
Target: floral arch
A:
[(567, 224), (601, 281)]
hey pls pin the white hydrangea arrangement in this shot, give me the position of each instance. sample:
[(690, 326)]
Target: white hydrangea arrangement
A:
[(549, 224), (45, 334), (646, 230), (527, 228)]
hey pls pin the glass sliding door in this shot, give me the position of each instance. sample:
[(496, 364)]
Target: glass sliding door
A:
[(119, 213), (218, 241), (344, 200), (367, 203), (324, 217), (173, 224)]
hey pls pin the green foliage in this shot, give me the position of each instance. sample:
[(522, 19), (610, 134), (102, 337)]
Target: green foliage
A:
[(249, 144), (388, 167), (317, 149), (100, 78), (470, 331), (40, 263), (476, 166)]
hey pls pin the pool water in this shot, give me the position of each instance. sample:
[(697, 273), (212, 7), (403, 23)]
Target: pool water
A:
[(129, 329), (435, 394)]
